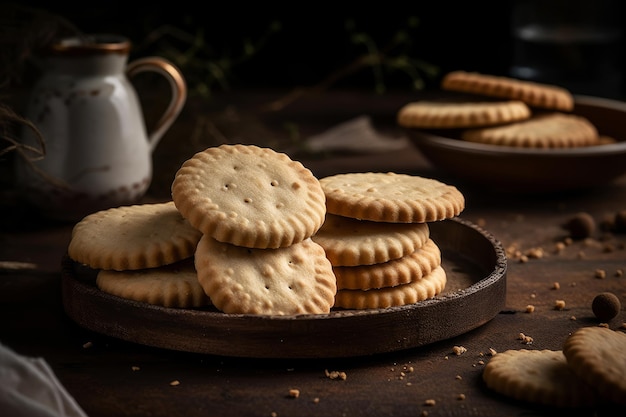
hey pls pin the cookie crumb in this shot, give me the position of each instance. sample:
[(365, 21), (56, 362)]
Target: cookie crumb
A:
[(600, 273), (527, 340), (530, 308), (619, 273), (573, 318), (559, 304), (336, 375), (535, 253), (273, 414), (459, 350), (492, 351), (87, 345), (605, 325), (460, 397), (556, 286), (458, 377), (430, 402), (175, 383), (134, 368), (559, 247), (316, 400), (294, 393)]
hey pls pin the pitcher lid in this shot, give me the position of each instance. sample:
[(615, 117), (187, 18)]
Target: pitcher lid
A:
[(91, 44)]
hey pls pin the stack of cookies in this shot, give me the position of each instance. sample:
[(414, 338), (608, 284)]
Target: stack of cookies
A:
[(235, 235), (250, 231), (504, 111), (143, 253), (377, 238), (257, 210)]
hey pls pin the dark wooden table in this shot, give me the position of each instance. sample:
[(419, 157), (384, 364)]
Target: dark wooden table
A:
[(110, 377)]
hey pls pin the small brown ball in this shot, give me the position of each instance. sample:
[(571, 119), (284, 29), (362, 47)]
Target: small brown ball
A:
[(620, 221), (581, 226), (606, 306)]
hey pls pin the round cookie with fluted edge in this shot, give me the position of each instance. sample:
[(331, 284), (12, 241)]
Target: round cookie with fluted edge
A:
[(455, 115), (352, 242), (133, 237), (534, 94), (410, 293), (249, 196), (547, 130), (391, 197), (293, 280), (537, 376), (598, 356), (399, 271), (174, 285)]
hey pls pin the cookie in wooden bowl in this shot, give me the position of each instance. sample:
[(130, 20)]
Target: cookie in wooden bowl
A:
[(351, 242), (391, 197), (133, 237), (249, 196), (174, 286), (431, 114), (534, 94), (542, 131), (293, 280), (418, 289)]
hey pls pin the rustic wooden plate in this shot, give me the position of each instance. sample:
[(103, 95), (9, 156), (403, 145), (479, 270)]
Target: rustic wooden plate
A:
[(509, 169), (474, 260)]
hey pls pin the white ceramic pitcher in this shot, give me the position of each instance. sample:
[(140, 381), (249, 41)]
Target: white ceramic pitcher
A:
[(98, 152)]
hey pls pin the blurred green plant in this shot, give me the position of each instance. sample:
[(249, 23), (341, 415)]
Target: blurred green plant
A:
[(194, 55), (394, 56)]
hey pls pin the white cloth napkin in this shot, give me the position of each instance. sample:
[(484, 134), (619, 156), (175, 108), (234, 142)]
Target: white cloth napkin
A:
[(29, 388), (355, 135)]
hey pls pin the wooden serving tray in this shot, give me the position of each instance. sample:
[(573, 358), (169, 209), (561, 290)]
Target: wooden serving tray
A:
[(474, 260)]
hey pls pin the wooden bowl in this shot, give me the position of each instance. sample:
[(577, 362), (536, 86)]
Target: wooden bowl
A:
[(474, 261), (505, 168)]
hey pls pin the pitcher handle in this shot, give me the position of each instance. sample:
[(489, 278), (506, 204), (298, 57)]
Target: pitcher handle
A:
[(178, 89)]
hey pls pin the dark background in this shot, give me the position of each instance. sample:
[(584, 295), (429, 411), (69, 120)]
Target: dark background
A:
[(291, 44)]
